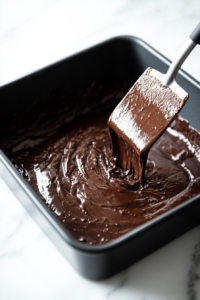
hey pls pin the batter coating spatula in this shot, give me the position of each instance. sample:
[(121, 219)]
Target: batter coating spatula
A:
[(146, 111)]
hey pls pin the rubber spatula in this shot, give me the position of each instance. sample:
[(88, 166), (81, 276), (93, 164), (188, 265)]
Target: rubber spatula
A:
[(146, 111)]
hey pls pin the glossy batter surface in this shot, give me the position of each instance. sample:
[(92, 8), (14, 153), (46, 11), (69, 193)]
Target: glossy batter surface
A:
[(140, 119), (72, 169)]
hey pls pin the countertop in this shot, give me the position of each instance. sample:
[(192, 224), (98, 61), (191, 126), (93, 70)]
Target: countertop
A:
[(34, 34)]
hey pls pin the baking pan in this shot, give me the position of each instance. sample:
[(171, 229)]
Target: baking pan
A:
[(121, 58)]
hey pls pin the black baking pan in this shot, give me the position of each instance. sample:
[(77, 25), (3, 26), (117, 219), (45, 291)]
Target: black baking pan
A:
[(122, 58)]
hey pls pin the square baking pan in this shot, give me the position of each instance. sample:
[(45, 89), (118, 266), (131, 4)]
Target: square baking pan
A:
[(121, 58)]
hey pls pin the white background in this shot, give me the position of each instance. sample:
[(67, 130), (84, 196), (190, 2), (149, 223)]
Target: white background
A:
[(34, 34)]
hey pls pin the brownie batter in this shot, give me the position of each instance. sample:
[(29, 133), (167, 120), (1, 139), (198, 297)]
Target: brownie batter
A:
[(69, 163), (140, 119)]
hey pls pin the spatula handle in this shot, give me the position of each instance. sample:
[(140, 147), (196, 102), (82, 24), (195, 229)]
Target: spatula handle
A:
[(183, 54), (195, 35)]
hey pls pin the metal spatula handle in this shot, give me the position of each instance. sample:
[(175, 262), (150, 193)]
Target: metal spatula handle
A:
[(193, 40), (195, 35)]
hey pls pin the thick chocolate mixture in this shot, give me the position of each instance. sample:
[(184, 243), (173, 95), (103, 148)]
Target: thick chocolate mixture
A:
[(72, 169), (140, 119)]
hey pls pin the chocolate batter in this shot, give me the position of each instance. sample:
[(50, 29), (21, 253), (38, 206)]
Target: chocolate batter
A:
[(70, 165), (140, 119)]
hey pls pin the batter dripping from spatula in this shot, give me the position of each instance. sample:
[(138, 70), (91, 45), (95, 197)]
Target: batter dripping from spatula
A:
[(146, 111)]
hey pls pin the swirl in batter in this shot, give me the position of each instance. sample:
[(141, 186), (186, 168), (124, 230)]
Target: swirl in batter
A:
[(73, 171), (95, 199)]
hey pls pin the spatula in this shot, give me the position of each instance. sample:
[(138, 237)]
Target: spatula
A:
[(146, 111)]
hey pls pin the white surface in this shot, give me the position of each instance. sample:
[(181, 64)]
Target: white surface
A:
[(34, 34)]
